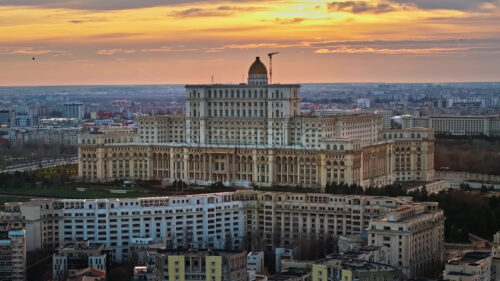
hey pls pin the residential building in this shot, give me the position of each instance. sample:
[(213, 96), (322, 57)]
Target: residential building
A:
[(69, 260), (12, 253), (73, 110), (199, 264), (338, 268), (255, 261), (263, 220), (414, 235), (472, 266)]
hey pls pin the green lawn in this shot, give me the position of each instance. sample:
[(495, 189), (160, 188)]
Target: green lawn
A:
[(73, 193)]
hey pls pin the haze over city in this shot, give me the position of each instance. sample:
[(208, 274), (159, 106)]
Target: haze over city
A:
[(249, 140), (57, 42)]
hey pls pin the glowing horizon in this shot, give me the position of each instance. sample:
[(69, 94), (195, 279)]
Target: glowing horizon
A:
[(152, 42)]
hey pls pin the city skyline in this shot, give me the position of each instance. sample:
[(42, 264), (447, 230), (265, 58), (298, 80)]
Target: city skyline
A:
[(183, 42)]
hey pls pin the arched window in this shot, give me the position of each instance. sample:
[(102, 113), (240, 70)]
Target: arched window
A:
[(341, 147)]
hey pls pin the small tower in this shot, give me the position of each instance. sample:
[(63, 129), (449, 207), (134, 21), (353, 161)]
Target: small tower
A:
[(257, 74)]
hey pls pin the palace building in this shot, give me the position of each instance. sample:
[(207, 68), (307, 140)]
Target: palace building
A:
[(254, 133)]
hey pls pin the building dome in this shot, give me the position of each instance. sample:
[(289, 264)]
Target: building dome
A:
[(257, 74), (257, 67)]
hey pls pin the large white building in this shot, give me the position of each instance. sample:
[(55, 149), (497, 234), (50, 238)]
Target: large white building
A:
[(254, 133)]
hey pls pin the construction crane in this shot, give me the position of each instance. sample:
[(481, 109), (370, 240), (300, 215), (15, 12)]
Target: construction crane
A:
[(271, 66)]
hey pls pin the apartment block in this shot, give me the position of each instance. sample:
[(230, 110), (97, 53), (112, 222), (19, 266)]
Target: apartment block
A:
[(12, 253), (191, 265), (414, 235)]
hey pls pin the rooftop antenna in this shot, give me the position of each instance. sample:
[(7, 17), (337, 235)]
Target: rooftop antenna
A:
[(271, 65), (212, 79)]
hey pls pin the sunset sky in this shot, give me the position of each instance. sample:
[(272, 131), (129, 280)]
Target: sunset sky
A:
[(157, 42)]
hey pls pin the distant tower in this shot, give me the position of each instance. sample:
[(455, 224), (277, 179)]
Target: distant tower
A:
[(257, 74)]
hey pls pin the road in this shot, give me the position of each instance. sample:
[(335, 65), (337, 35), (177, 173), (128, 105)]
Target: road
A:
[(34, 167)]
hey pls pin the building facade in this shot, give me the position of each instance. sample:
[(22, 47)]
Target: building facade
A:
[(12, 253), (456, 124), (414, 235), (194, 265), (252, 133), (73, 110), (259, 220)]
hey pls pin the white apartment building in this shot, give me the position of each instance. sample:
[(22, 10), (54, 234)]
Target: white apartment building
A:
[(263, 220), (203, 221), (414, 235)]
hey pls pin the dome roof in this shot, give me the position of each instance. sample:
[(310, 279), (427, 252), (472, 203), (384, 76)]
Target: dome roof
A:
[(257, 67)]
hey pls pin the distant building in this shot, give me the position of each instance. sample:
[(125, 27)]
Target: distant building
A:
[(386, 118), (12, 253), (363, 103), (194, 265), (456, 124), (7, 117), (73, 110), (70, 259), (472, 266), (414, 235), (255, 261)]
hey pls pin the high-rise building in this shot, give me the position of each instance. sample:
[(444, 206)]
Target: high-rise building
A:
[(7, 117), (251, 133), (414, 235), (73, 110), (12, 253)]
